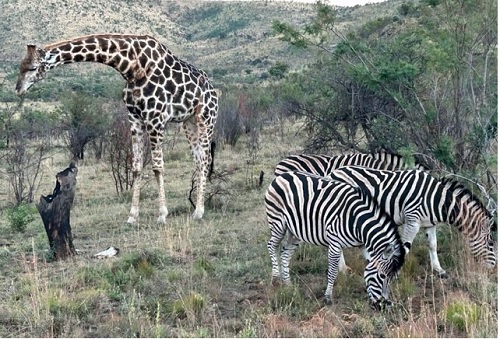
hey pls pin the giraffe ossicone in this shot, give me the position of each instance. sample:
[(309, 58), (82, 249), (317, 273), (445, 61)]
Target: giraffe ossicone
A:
[(159, 88)]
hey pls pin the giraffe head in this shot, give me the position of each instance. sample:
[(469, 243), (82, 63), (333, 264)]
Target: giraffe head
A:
[(33, 68)]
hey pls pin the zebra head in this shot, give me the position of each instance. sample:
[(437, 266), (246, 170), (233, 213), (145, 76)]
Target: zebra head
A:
[(474, 220), (479, 227), (380, 271), (483, 246)]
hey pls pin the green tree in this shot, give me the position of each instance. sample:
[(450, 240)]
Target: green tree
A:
[(22, 156), (84, 119), (425, 81)]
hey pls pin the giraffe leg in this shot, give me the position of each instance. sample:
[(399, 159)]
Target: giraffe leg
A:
[(199, 141), (137, 152), (157, 157)]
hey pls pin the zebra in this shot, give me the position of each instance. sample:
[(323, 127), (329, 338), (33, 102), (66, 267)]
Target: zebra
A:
[(417, 199), (304, 207), (323, 164)]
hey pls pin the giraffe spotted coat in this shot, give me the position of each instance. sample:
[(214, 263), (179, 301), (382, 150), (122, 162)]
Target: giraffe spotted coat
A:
[(160, 88)]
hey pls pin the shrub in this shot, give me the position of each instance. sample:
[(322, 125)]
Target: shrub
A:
[(23, 160), (85, 119), (20, 216), (119, 154), (228, 128)]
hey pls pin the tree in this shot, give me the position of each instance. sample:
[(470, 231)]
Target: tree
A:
[(22, 157), (120, 155), (423, 82), (85, 119)]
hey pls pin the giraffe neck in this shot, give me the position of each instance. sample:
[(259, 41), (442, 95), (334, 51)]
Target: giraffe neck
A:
[(130, 55)]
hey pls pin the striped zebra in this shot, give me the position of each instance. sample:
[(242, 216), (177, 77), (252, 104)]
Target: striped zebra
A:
[(304, 207), (417, 199), (323, 164)]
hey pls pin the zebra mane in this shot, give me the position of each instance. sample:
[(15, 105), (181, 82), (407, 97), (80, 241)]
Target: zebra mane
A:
[(398, 260), (382, 152), (463, 191)]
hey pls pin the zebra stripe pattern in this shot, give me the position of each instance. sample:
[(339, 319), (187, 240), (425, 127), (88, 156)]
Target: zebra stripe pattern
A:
[(417, 199), (323, 165), (303, 207)]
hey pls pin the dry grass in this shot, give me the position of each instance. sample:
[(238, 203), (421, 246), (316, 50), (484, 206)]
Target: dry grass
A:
[(212, 277)]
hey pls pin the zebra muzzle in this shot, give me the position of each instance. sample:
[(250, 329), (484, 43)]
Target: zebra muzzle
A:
[(381, 304)]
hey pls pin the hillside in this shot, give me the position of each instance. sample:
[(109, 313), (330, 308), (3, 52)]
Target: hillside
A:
[(225, 38), (208, 34)]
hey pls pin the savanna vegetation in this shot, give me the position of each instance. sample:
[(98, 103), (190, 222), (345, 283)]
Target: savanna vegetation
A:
[(414, 77)]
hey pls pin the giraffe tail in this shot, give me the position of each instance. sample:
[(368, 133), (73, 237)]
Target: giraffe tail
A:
[(212, 156)]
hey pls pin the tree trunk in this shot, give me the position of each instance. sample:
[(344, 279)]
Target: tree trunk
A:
[(55, 212)]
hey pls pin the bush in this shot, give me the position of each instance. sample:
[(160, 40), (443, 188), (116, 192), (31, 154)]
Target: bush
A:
[(20, 216), (119, 156), (85, 119), (228, 128)]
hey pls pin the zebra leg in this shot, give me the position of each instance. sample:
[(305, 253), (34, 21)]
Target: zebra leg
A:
[(277, 235), (432, 240), (366, 254), (409, 232), (291, 244), (334, 254), (342, 265)]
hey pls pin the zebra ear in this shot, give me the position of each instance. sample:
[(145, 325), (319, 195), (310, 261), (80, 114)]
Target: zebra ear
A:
[(389, 252)]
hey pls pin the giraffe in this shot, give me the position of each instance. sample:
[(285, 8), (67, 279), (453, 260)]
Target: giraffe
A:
[(160, 88)]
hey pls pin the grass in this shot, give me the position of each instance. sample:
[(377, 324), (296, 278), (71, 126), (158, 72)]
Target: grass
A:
[(212, 278)]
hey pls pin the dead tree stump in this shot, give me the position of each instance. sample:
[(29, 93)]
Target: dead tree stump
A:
[(55, 212)]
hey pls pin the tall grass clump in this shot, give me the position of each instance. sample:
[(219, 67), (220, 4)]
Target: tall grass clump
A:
[(472, 309), (462, 315)]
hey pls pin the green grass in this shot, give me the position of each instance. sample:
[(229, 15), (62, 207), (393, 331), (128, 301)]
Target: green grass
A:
[(462, 315)]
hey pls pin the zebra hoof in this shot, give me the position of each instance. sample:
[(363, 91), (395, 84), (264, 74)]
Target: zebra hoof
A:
[(276, 281), (327, 301), (381, 305), (131, 221)]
